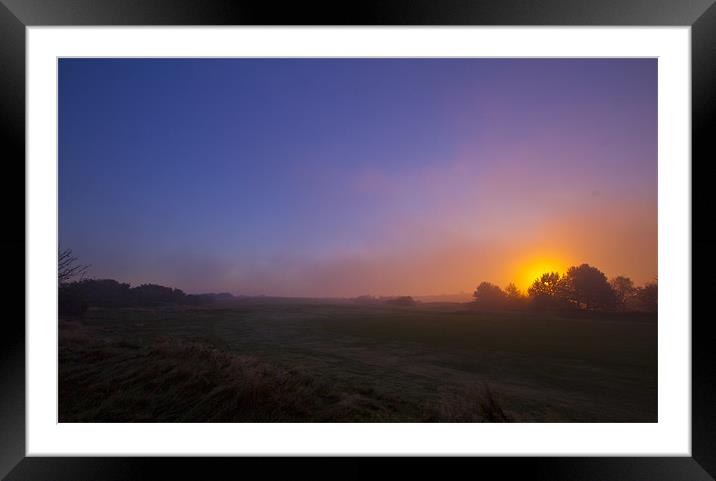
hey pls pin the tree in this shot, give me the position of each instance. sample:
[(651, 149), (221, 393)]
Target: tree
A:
[(68, 302), (514, 296), (489, 295), (587, 288), (624, 290), (512, 291), (549, 284), (153, 294), (647, 297), (548, 292), (99, 292), (402, 301), (68, 268)]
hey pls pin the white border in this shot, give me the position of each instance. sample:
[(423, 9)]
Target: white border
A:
[(670, 436)]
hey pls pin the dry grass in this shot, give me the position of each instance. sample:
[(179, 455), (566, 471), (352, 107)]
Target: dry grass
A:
[(71, 332), (472, 406), (102, 379), (302, 360), (176, 381)]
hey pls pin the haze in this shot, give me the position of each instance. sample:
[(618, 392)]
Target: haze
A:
[(345, 177)]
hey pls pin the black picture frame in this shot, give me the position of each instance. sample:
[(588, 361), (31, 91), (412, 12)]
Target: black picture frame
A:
[(16, 15)]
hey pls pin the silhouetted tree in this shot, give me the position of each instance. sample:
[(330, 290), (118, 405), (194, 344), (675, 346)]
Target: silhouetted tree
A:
[(110, 293), (151, 294), (512, 291), (549, 284), (647, 297), (549, 291), (365, 299), (587, 287), (68, 268), (514, 296), (624, 290), (402, 301), (68, 302), (488, 294), (100, 292)]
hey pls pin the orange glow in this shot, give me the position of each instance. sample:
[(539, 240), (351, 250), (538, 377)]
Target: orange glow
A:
[(534, 268)]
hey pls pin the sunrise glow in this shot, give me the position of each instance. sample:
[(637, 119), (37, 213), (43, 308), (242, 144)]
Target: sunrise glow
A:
[(341, 178), (534, 268), (353, 240)]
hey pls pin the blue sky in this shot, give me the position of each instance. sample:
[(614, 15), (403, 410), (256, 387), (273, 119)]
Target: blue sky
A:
[(340, 177)]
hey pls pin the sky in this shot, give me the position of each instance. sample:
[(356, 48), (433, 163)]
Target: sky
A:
[(347, 177)]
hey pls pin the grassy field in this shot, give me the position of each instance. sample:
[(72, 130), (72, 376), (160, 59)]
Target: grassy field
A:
[(319, 361)]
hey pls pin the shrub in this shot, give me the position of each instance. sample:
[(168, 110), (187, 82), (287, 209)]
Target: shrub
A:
[(402, 301), (488, 294), (70, 304)]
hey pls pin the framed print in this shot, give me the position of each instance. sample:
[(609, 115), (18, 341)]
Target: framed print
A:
[(412, 232)]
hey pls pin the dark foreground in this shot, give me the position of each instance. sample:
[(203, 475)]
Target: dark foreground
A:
[(294, 361)]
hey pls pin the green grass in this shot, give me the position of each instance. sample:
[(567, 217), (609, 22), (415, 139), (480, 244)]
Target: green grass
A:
[(336, 361)]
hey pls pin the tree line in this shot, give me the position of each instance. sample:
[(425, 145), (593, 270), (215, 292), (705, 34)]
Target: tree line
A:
[(582, 287), (76, 293)]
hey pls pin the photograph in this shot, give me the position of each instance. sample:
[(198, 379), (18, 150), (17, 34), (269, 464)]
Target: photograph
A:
[(357, 240)]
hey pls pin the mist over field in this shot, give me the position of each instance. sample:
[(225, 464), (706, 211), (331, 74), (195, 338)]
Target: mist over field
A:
[(349, 177), (357, 240)]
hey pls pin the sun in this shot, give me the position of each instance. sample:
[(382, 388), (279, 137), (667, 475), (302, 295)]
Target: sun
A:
[(534, 268)]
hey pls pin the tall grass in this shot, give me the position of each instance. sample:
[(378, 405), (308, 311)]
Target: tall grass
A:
[(475, 405), (102, 379)]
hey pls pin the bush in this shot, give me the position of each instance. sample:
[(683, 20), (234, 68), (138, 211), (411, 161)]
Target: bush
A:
[(110, 293), (489, 295), (402, 301), (647, 297), (70, 304)]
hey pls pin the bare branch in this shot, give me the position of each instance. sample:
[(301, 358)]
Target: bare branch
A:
[(68, 268)]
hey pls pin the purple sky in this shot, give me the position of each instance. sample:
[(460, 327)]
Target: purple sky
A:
[(342, 177)]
